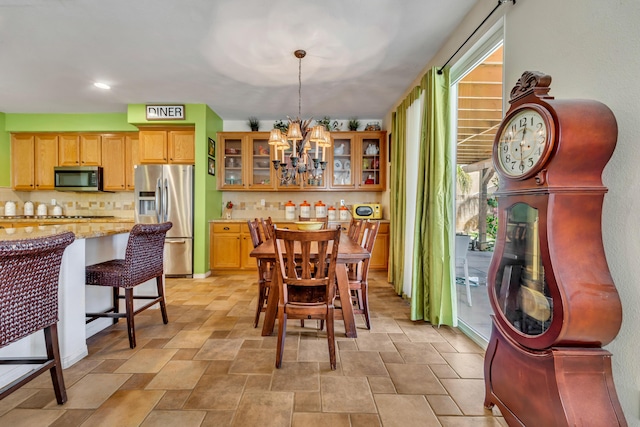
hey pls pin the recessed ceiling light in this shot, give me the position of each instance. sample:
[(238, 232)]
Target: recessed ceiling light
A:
[(102, 85)]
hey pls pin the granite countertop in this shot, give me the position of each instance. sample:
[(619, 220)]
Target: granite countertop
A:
[(65, 220), (278, 220), (83, 230)]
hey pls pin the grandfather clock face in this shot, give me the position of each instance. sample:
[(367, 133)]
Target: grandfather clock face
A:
[(523, 142)]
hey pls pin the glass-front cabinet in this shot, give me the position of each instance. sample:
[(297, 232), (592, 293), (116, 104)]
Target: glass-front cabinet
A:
[(355, 161), (520, 286), (358, 160), (245, 161), (343, 160)]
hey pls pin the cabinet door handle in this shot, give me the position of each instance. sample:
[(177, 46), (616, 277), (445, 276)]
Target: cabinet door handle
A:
[(226, 229)]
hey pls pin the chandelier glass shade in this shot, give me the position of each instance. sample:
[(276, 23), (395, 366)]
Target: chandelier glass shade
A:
[(299, 162)]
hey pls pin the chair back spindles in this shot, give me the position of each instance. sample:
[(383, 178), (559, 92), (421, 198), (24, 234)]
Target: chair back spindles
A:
[(267, 228), (355, 226)]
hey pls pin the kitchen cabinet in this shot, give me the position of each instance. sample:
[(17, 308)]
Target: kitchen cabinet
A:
[(113, 162), (380, 253), (230, 246), (245, 161), (33, 158), (23, 162), (119, 157), (79, 150), (356, 161), (131, 144), (158, 146)]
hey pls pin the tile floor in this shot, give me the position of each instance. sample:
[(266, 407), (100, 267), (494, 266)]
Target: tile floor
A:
[(210, 367)]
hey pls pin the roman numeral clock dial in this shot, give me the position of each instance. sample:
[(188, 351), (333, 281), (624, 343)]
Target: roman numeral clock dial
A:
[(523, 142)]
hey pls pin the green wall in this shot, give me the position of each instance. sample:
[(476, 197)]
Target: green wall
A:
[(5, 154), (206, 122)]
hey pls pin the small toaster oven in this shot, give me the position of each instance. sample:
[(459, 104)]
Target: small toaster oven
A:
[(367, 210)]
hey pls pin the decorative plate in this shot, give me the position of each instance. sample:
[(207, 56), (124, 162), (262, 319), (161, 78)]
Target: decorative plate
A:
[(347, 165), (337, 165)]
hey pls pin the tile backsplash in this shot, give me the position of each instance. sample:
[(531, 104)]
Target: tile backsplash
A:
[(119, 204), (249, 205)]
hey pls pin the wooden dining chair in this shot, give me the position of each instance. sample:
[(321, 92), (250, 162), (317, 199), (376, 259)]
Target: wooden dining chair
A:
[(358, 284), (29, 276), (264, 270), (306, 276)]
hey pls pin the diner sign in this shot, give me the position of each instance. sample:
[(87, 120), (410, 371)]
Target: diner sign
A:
[(165, 112)]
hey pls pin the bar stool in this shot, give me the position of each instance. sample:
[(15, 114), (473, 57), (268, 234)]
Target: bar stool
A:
[(143, 261), (29, 276)]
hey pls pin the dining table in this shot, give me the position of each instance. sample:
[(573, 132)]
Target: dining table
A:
[(349, 252)]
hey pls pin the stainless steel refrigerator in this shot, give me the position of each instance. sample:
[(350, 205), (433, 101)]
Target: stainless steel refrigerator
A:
[(165, 193)]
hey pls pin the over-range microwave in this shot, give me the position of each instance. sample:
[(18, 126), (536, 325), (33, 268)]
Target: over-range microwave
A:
[(367, 210), (78, 178)]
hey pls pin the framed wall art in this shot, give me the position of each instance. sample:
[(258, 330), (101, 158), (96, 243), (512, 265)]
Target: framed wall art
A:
[(211, 148), (212, 167)]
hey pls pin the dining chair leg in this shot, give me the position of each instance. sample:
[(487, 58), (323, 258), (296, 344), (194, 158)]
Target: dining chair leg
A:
[(53, 352), (128, 299), (331, 338), (163, 305), (365, 303), (282, 330), (260, 304)]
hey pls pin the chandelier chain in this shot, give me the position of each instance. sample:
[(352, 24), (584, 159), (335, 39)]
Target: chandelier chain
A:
[(299, 87)]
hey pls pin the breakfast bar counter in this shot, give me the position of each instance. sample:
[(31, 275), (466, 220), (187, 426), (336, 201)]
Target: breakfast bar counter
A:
[(95, 242)]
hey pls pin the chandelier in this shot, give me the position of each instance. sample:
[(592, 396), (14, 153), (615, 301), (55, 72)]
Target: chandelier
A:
[(303, 163)]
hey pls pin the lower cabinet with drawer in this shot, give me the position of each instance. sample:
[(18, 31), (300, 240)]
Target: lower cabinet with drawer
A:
[(231, 247)]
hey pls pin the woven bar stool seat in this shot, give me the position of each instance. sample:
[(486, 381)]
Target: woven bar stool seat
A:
[(143, 261), (29, 276)]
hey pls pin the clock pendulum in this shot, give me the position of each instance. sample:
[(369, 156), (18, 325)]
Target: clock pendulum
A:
[(554, 302)]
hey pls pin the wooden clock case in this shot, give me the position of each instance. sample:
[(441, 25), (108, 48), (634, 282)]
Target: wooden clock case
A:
[(560, 376)]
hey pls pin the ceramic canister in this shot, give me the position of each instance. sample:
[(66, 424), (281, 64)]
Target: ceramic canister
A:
[(28, 208), (290, 210), (305, 210), (10, 208), (331, 213), (344, 213), (321, 209)]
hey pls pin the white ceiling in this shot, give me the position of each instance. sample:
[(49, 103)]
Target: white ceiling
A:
[(234, 55)]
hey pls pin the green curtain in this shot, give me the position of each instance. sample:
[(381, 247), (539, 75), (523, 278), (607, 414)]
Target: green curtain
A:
[(432, 275), (398, 190)]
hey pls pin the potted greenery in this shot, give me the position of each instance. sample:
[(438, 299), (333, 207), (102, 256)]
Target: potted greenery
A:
[(279, 124), (253, 123), (354, 123)]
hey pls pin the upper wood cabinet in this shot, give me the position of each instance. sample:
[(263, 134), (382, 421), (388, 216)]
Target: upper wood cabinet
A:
[(131, 160), (80, 150), (167, 146), (356, 161), (244, 161), (114, 162), (181, 146), (33, 158)]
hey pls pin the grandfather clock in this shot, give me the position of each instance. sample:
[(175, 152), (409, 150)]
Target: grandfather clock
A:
[(554, 301)]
